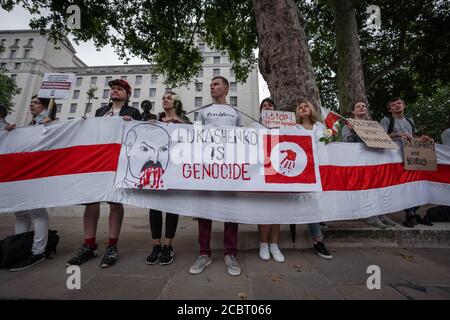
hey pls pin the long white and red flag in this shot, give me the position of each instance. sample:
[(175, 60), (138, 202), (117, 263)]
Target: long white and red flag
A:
[(75, 162)]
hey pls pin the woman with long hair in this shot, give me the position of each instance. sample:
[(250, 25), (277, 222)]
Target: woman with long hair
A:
[(308, 119), (173, 113)]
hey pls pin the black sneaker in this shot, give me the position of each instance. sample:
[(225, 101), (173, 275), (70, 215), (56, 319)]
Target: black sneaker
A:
[(321, 251), (323, 225), (28, 261), (410, 221), (85, 253), (110, 257), (420, 220), (154, 256), (167, 255)]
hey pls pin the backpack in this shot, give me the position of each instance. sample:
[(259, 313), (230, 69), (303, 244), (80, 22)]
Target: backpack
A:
[(392, 123), (15, 247)]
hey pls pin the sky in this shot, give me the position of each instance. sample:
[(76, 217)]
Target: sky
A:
[(19, 18)]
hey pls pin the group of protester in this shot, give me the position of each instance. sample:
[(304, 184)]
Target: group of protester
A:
[(219, 113)]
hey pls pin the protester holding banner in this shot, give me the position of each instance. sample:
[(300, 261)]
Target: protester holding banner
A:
[(119, 94), (173, 113), (3, 114), (398, 126), (308, 119), (268, 233), (25, 220), (360, 112), (218, 114)]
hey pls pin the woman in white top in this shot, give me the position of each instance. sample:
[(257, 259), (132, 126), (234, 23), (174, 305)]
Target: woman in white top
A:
[(308, 119), (269, 233)]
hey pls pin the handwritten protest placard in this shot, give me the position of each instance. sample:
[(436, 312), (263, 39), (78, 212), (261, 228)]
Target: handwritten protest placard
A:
[(373, 134), (278, 119), (419, 155)]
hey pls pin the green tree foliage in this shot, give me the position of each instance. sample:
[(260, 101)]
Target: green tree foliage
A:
[(431, 113), (408, 57), (8, 89), (160, 32)]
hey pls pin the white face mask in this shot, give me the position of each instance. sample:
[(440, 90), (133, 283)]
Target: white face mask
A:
[(41, 116)]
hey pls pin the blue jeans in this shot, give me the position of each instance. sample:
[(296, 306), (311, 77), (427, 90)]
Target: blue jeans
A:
[(315, 232)]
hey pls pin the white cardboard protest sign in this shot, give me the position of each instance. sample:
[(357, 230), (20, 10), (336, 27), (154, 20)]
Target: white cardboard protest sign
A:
[(419, 155), (373, 134), (278, 119), (56, 85)]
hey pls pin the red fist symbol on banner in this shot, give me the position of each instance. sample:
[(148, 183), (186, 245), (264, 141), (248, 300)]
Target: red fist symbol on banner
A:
[(289, 161)]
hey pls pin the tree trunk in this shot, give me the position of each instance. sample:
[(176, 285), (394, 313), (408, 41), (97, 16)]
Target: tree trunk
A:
[(350, 77), (284, 59)]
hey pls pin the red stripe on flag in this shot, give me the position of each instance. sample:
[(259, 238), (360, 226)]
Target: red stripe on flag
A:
[(59, 162), (337, 178)]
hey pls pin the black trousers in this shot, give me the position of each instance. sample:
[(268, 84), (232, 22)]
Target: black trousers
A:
[(155, 217)]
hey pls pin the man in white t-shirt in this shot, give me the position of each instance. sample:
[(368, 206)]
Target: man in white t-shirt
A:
[(219, 113)]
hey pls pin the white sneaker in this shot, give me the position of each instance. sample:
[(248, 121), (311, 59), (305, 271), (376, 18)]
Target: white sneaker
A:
[(200, 264), (234, 268), (264, 253), (276, 253)]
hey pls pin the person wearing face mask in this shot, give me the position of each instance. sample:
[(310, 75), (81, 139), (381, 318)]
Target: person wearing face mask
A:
[(36, 219)]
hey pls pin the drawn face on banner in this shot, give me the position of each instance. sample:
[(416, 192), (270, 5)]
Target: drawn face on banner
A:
[(147, 150)]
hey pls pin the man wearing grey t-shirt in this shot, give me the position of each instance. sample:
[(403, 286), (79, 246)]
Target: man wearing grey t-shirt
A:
[(218, 114), (397, 127)]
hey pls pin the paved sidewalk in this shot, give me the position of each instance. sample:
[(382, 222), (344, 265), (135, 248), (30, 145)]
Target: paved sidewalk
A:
[(406, 273)]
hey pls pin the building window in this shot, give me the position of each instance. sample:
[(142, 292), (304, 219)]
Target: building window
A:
[(123, 77), (216, 72), (199, 86), (30, 42), (154, 79), (13, 77), (107, 80), (78, 81), (16, 66), (16, 42), (233, 101), (200, 73), (88, 107), (201, 47), (73, 107), (58, 107), (12, 55), (3, 66), (76, 94), (26, 54), (152, 92), (106, 94), (93, 80), (137, 93), (217, 60), (138, 81), (2, 43), (233, 86), (198, 102), (70, 118), (135, 105), (231, 73)]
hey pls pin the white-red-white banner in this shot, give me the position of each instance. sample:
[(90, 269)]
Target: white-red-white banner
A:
[(73, 162), (194, 157)]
